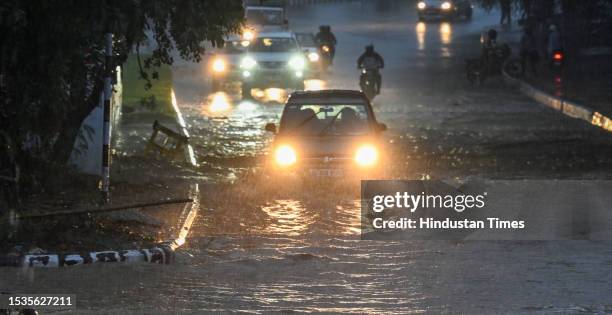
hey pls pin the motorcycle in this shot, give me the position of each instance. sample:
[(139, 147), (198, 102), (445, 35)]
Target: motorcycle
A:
[(367, 82), (326, 55)]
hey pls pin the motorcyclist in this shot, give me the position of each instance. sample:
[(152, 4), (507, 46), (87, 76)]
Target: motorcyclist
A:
[(490, 42), (326, 37), (493, 53), (370, 60)]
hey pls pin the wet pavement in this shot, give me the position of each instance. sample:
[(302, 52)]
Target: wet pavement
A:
[(262, 245)]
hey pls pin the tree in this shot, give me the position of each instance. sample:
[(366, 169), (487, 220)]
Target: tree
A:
[(51, 59)]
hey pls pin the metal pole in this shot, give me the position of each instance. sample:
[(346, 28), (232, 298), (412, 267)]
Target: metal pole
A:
[(108, 52)]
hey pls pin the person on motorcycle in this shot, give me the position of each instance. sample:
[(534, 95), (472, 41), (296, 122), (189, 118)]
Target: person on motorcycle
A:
[(490, 43), (370, 60), (326, 37), (493, 53)]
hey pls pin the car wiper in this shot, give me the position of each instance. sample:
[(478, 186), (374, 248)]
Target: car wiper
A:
[(305, 121), (333, 121)]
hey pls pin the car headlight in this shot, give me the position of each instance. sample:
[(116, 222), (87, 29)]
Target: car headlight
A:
[(297, 63), (313, 57), (285, 155), (325, 48), (446, 5), (218, 65), (248, 35), (367, 155), (248, 63)]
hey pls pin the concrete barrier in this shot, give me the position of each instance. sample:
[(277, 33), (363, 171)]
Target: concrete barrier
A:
[(307, 2), (565, 107)]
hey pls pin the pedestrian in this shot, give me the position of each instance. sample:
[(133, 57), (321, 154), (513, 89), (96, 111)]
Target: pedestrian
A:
[(529, 51), (506, 12)]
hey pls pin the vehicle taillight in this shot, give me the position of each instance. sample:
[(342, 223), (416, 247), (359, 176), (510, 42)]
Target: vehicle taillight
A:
[(557, 56)]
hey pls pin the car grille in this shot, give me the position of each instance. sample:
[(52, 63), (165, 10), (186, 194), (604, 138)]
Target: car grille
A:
[(272, 64)]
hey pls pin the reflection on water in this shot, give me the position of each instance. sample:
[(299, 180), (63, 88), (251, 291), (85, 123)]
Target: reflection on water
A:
[(446, 33), (270, 95), (218, 103), (421, 29), (288, 217), (246, 106), (314, 85), (446, 37)]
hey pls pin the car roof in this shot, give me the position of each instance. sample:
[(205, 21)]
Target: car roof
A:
[(267, 7), (326, 96), (281, 34)]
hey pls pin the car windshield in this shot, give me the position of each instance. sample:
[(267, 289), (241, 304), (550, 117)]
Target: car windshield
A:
[(233, 47), (273, 44), (264, 17), (319, 120), (306, 39)]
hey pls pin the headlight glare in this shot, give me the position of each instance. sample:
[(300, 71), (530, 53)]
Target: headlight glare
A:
[(421, 5), (248, 35), (297, 63), (313, 57), (248, 63), (218, 65), (446, 5), (366, 155), (285, 155)]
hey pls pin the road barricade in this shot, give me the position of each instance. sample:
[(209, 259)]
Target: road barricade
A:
[(166, 142)]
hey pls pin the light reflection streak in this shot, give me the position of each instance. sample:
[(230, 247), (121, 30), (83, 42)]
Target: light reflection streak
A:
[(446, 32), (270, 95), (314, 85), (421, 30)]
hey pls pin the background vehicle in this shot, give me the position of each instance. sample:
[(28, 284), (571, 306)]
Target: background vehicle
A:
[(329, 133), (445, 9), (224, 64), (367, 83), (311, 51), (273, 59), (266, 18)]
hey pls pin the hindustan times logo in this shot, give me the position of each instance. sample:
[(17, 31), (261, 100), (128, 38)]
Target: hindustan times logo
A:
[(413, 202)]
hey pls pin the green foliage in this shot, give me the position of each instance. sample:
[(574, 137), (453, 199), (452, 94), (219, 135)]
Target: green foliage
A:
[(52, 58), (136, 95)]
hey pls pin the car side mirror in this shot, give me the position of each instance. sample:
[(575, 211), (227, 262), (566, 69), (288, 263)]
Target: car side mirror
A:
[(382, 127), (271, 128)]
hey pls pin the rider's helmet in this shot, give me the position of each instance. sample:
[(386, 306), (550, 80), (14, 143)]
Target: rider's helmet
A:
[(552, 28), (369, 48), (325, 28)]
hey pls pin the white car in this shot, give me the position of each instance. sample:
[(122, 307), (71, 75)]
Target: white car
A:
[(273, 59)]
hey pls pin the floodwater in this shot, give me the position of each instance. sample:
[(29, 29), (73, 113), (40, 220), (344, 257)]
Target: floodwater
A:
[(263, 244)]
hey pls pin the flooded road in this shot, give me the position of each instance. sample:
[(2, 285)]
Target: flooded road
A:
[(261, 245)]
